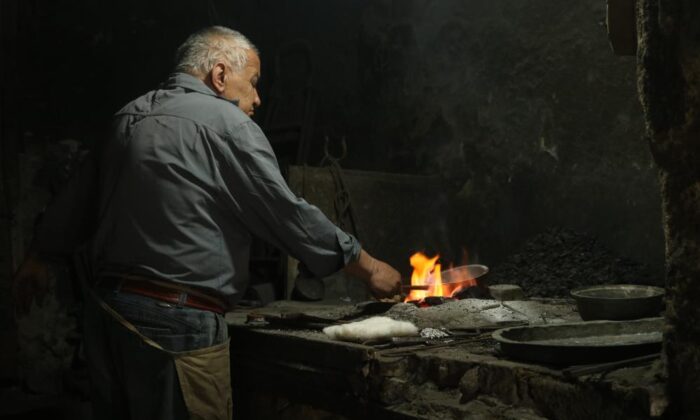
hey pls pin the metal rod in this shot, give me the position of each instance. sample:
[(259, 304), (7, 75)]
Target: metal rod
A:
[(421, 287)]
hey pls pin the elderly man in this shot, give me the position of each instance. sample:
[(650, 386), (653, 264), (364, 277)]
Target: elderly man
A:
[(184, 180)]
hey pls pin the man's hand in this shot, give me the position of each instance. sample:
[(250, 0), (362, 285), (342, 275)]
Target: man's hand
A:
[(31, 281), (383, 280)]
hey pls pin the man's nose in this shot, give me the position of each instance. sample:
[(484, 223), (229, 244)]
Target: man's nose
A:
[(257, 101)]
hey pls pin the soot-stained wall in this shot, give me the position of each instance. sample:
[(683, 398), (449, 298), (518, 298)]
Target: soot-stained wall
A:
[(524, 110), (669, 85), (520, 106)]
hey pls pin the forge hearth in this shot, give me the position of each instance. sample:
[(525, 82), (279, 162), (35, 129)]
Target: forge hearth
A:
[(462, 292), (317, 377), (431, 301)]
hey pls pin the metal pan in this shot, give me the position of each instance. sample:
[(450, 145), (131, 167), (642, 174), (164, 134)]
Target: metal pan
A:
[(457, 276), (581, 342), (463, 273), (460, 276), (618, 301)]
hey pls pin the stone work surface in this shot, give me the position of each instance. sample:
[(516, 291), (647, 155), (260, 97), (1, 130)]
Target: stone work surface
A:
[(467, 380), (475, 313), (669, 85), (451, 383)]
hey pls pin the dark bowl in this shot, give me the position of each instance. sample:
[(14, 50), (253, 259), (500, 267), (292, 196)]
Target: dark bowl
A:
[(577, 343), (618, 301)]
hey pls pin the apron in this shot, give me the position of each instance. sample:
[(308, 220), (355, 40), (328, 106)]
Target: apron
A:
[(204, 374)]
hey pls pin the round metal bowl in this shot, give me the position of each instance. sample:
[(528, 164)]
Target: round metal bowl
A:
[(463, 273), (463, 276), (618, 301), (581, 342)]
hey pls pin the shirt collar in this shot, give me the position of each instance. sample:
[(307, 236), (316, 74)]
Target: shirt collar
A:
[(188, 82), (191, 83)]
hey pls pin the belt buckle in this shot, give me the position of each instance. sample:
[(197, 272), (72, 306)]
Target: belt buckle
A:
[(182, 299)]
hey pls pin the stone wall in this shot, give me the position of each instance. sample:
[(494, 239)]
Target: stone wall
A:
[(520, 107), (523, 109), (669, 85)]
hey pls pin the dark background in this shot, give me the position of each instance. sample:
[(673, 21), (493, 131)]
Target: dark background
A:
[(519, 107), (522, 108)]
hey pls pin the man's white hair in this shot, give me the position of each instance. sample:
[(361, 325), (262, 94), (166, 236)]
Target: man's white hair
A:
[(206, 47)]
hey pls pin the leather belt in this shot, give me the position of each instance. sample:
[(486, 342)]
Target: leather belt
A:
[(163, 292)]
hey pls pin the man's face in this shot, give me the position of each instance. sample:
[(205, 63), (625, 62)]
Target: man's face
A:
[(241, 86)]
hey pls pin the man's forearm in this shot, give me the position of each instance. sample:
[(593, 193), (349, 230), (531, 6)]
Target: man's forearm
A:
[(382, 279), (363, 268)]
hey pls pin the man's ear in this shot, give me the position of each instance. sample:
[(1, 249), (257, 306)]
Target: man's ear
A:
[(218, 77)]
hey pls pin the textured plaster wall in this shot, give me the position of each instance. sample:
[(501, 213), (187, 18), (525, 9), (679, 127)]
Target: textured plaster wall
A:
[(523, 109), (520, 106), (669, 85)]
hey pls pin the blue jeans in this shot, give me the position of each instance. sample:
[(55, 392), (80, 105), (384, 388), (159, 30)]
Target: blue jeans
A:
[(131, 379)]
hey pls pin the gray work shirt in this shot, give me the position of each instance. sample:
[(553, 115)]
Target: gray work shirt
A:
[(185, 178)]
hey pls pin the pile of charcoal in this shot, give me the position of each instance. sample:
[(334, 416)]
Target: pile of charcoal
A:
[(559, 260)]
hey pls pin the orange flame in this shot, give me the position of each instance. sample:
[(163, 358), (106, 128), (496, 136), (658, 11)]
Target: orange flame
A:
[(428, 272)]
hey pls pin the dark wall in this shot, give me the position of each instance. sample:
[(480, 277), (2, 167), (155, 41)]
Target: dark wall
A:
[(669, 86), (82, 60), (520, 106), (524, 110)]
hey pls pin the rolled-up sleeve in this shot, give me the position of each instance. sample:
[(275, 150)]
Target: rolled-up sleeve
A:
[(260, 197)]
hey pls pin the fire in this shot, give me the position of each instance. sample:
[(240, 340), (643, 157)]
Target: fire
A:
[(428, 272)]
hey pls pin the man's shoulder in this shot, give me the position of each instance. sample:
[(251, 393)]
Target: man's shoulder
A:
[(200, 109), (203, 109)]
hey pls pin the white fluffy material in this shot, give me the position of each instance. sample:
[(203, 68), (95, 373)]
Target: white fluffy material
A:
[(374, 328)]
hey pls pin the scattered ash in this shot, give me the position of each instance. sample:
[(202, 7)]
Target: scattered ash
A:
[(559, 260), (464, 313), (433, 333)]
